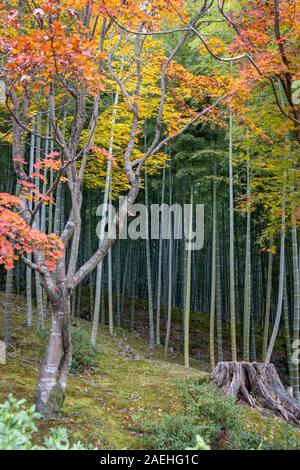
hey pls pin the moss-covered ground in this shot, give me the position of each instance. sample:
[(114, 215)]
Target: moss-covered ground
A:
[(108, 404)]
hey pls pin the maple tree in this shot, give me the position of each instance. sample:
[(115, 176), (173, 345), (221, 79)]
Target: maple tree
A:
[(17, 238), (63, 65), (264, 41), (67, 56)]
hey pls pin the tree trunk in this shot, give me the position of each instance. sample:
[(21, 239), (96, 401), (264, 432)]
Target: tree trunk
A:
[(247, 284), (213, 271), (57, 360), (109, 281), (50, 213), (296, 296), (118, 284), (149, 276), (257, 384), (187, 303), (287, 333), (231, 250), (133, 277), (268, 304), (124, 285), (8, 306), (218, 300), (281, 281), (29, 293), (39, 302), (170, 270), (159, 273), (29, 255)]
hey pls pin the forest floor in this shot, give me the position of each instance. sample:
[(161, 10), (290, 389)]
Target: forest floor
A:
[(109, 403)]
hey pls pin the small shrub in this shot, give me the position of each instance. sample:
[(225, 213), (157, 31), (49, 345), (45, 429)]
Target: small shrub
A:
[(43, 333), (206, 401), (217, 414), (214, 417), (84, 354), (17, 426), (174, 433)]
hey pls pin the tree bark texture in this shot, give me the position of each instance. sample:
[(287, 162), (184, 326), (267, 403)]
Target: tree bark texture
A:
[(258, 385)]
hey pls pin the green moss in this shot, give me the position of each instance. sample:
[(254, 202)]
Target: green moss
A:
[(105, 404), (108, 404)]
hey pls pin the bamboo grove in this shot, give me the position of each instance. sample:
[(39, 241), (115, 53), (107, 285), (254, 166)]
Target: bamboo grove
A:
[(157, 102)]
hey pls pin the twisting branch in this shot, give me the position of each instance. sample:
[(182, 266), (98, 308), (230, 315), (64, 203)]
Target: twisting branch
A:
[(163, 80), (286, 85), (32, 265), (137, 52), (121, 84), (148, 33)]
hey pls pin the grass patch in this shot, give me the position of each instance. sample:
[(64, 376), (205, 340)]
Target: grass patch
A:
[(108, 403), (219, 422)]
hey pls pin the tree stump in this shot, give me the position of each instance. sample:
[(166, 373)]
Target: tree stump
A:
[(258, 385)]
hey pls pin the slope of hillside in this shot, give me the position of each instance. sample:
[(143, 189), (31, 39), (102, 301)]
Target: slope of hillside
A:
[(108, 404)]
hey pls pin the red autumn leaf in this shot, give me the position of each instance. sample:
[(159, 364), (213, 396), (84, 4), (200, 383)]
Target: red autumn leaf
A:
[(17, 238), (38, 175), (20, 160), (38, 165), (26, 184), (53, 155)]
